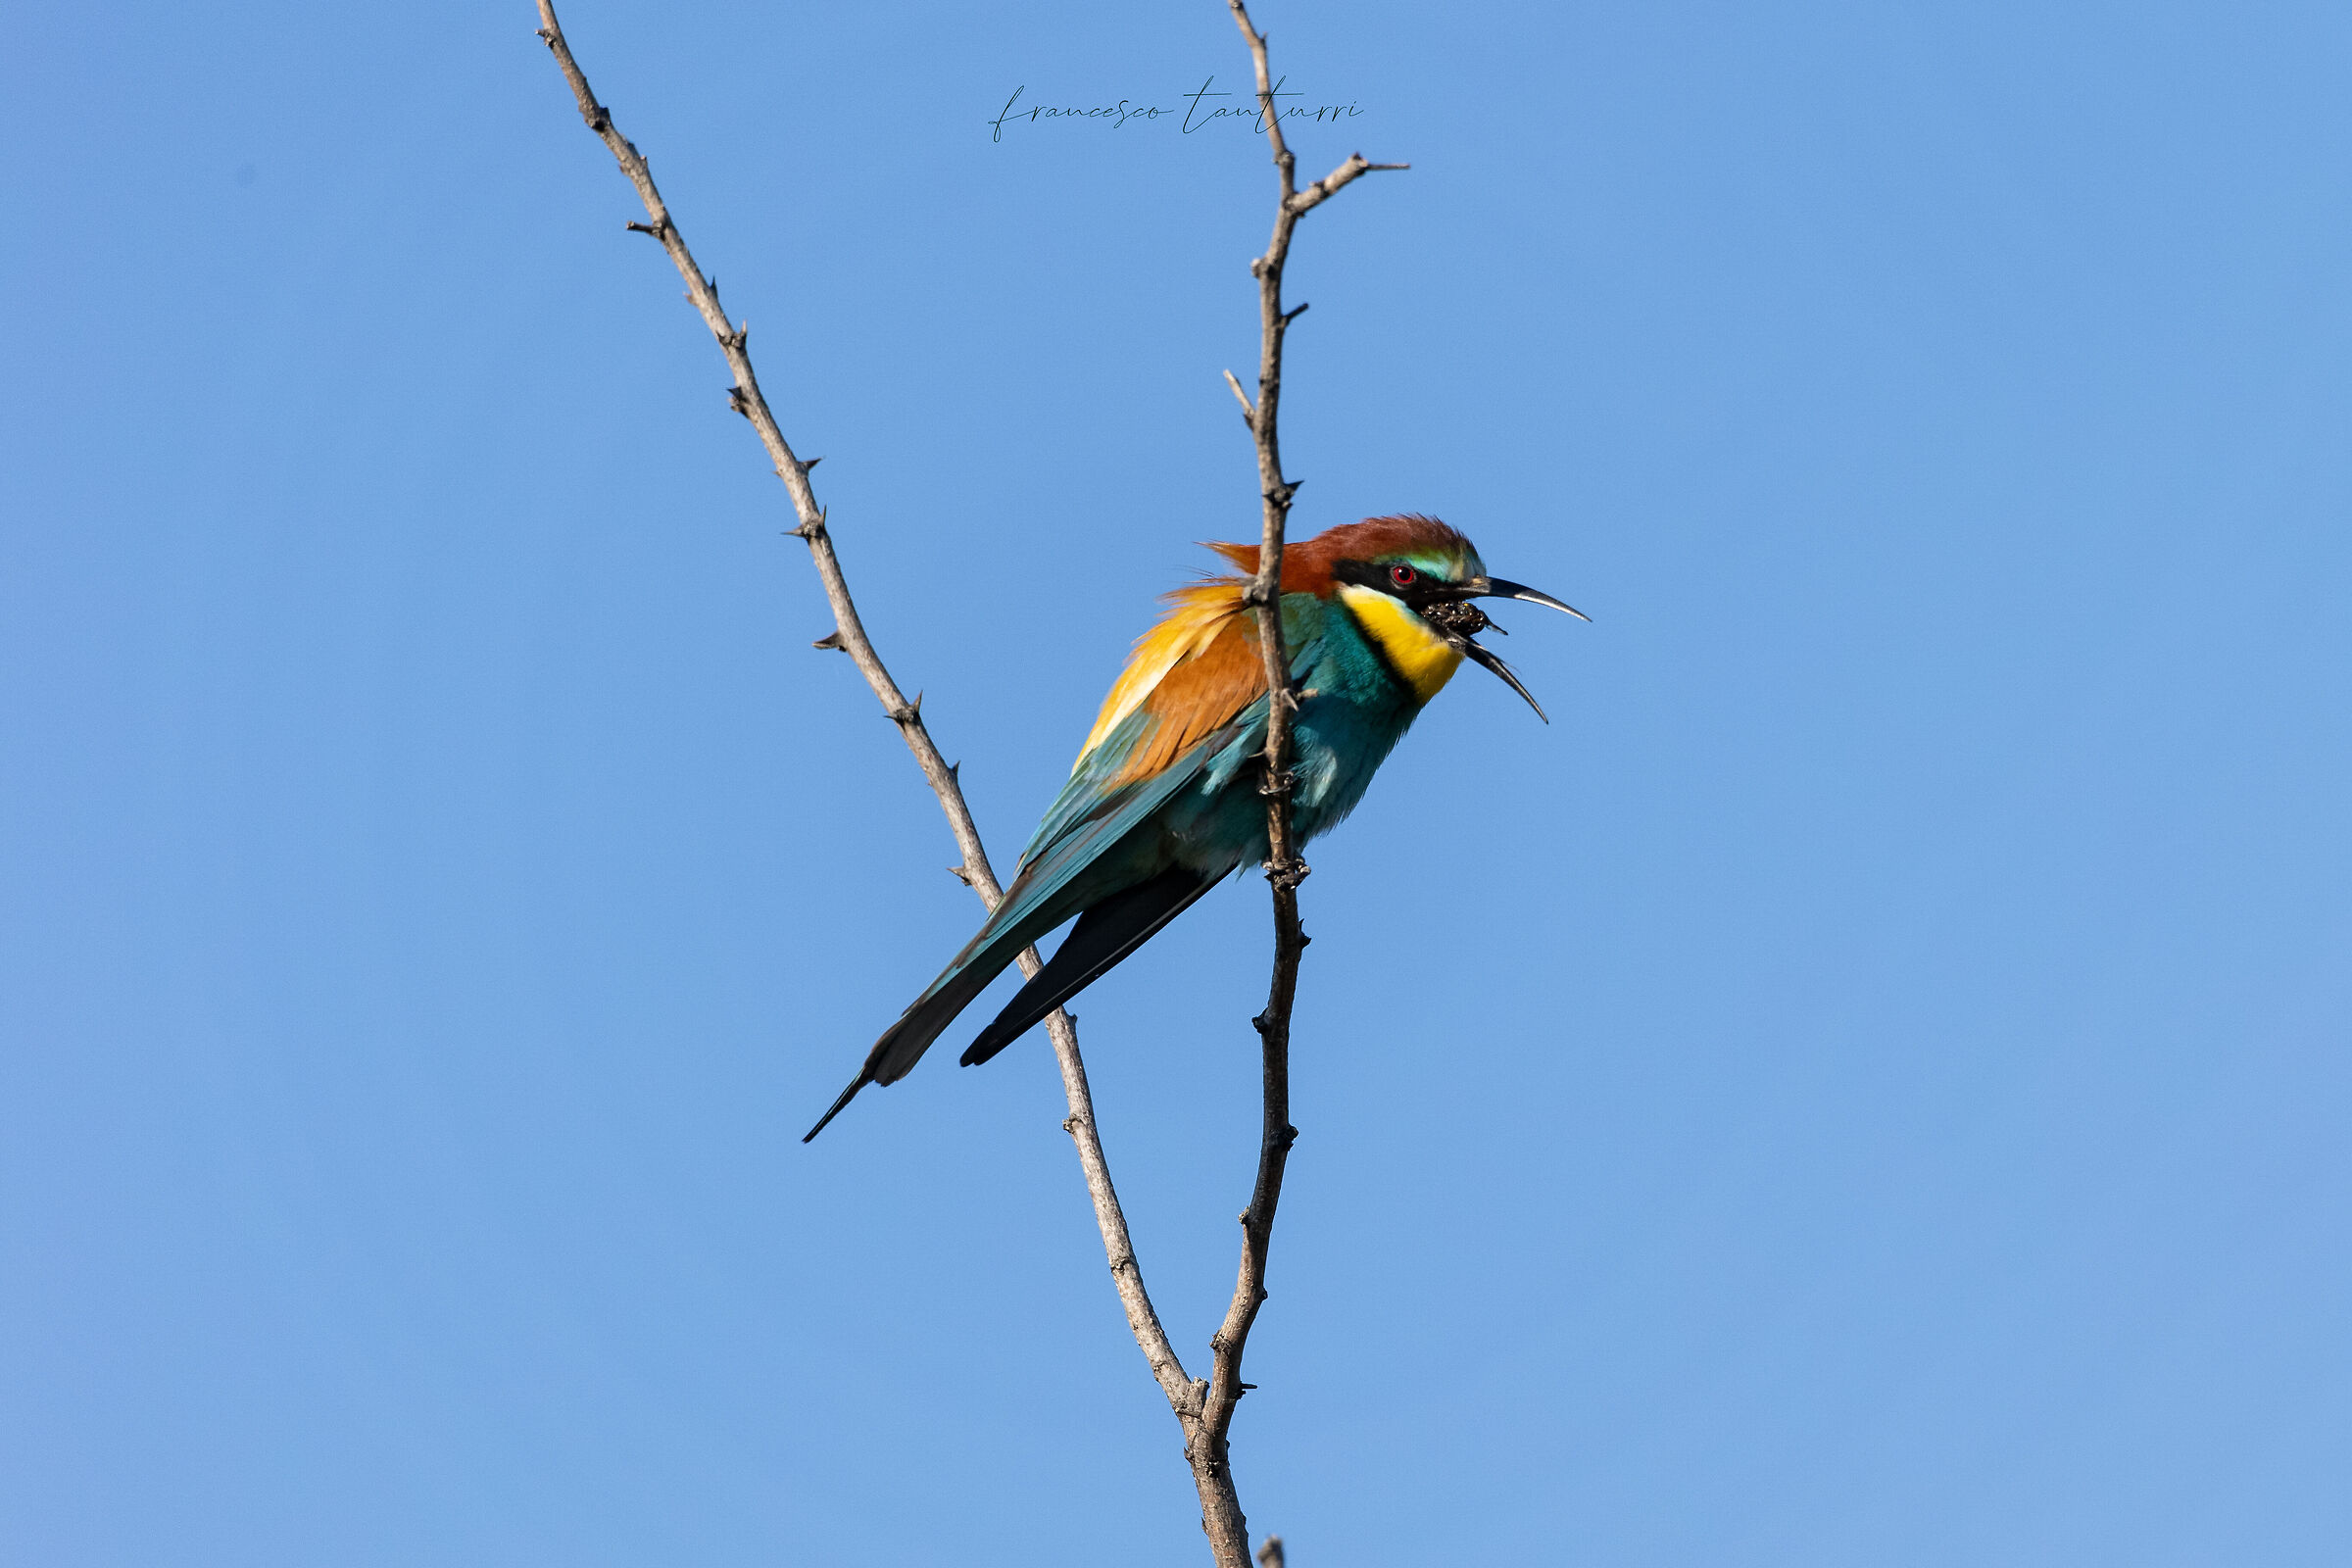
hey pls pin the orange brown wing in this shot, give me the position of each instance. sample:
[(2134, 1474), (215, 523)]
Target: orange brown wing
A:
[(1188, 675)]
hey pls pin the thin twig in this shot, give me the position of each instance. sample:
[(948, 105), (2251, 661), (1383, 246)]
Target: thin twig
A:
[(1213, 1471), (849, 635), (1248, 413)]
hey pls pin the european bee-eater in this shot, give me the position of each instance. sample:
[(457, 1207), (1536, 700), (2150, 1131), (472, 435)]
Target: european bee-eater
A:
[(1164, 798)]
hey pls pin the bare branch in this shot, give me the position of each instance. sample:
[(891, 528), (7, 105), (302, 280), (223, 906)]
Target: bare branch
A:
[(1269, 1555), (1212, 1474), (1183, 1394)]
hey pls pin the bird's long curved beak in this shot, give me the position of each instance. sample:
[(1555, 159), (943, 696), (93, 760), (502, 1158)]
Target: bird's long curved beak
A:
[(1486, 658), (1458, 632), (1504, 588)]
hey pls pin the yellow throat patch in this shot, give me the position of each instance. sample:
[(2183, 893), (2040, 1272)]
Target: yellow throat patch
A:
[(1425, 659)]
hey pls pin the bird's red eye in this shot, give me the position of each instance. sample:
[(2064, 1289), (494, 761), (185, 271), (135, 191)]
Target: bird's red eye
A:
[(1404, 577)]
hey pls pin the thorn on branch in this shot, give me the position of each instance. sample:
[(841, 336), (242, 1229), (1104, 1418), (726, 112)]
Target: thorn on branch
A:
[(655, 229), (810, 531), (965, 878), (1307, 200), (908, 712), (738, 402), (1288, 316), (832, 640), (810, 464)]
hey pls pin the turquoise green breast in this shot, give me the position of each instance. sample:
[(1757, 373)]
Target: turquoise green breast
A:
[(1353, 708), (1346, 664)]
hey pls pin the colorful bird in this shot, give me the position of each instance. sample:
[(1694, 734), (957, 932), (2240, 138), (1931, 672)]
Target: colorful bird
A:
[(1164, 798)]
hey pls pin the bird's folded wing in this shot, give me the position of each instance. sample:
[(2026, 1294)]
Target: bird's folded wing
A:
[(1086, 824), (1197, 722), (1194, 676), (1052, 886)]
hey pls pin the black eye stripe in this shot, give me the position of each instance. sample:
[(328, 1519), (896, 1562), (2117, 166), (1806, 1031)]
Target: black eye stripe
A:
[(1397, 580)]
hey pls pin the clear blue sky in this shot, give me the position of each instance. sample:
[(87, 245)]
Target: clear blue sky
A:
[(1868, 1085)]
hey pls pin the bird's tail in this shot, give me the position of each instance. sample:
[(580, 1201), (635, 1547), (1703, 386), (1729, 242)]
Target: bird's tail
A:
[(903, 1043), (1105, 934)]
